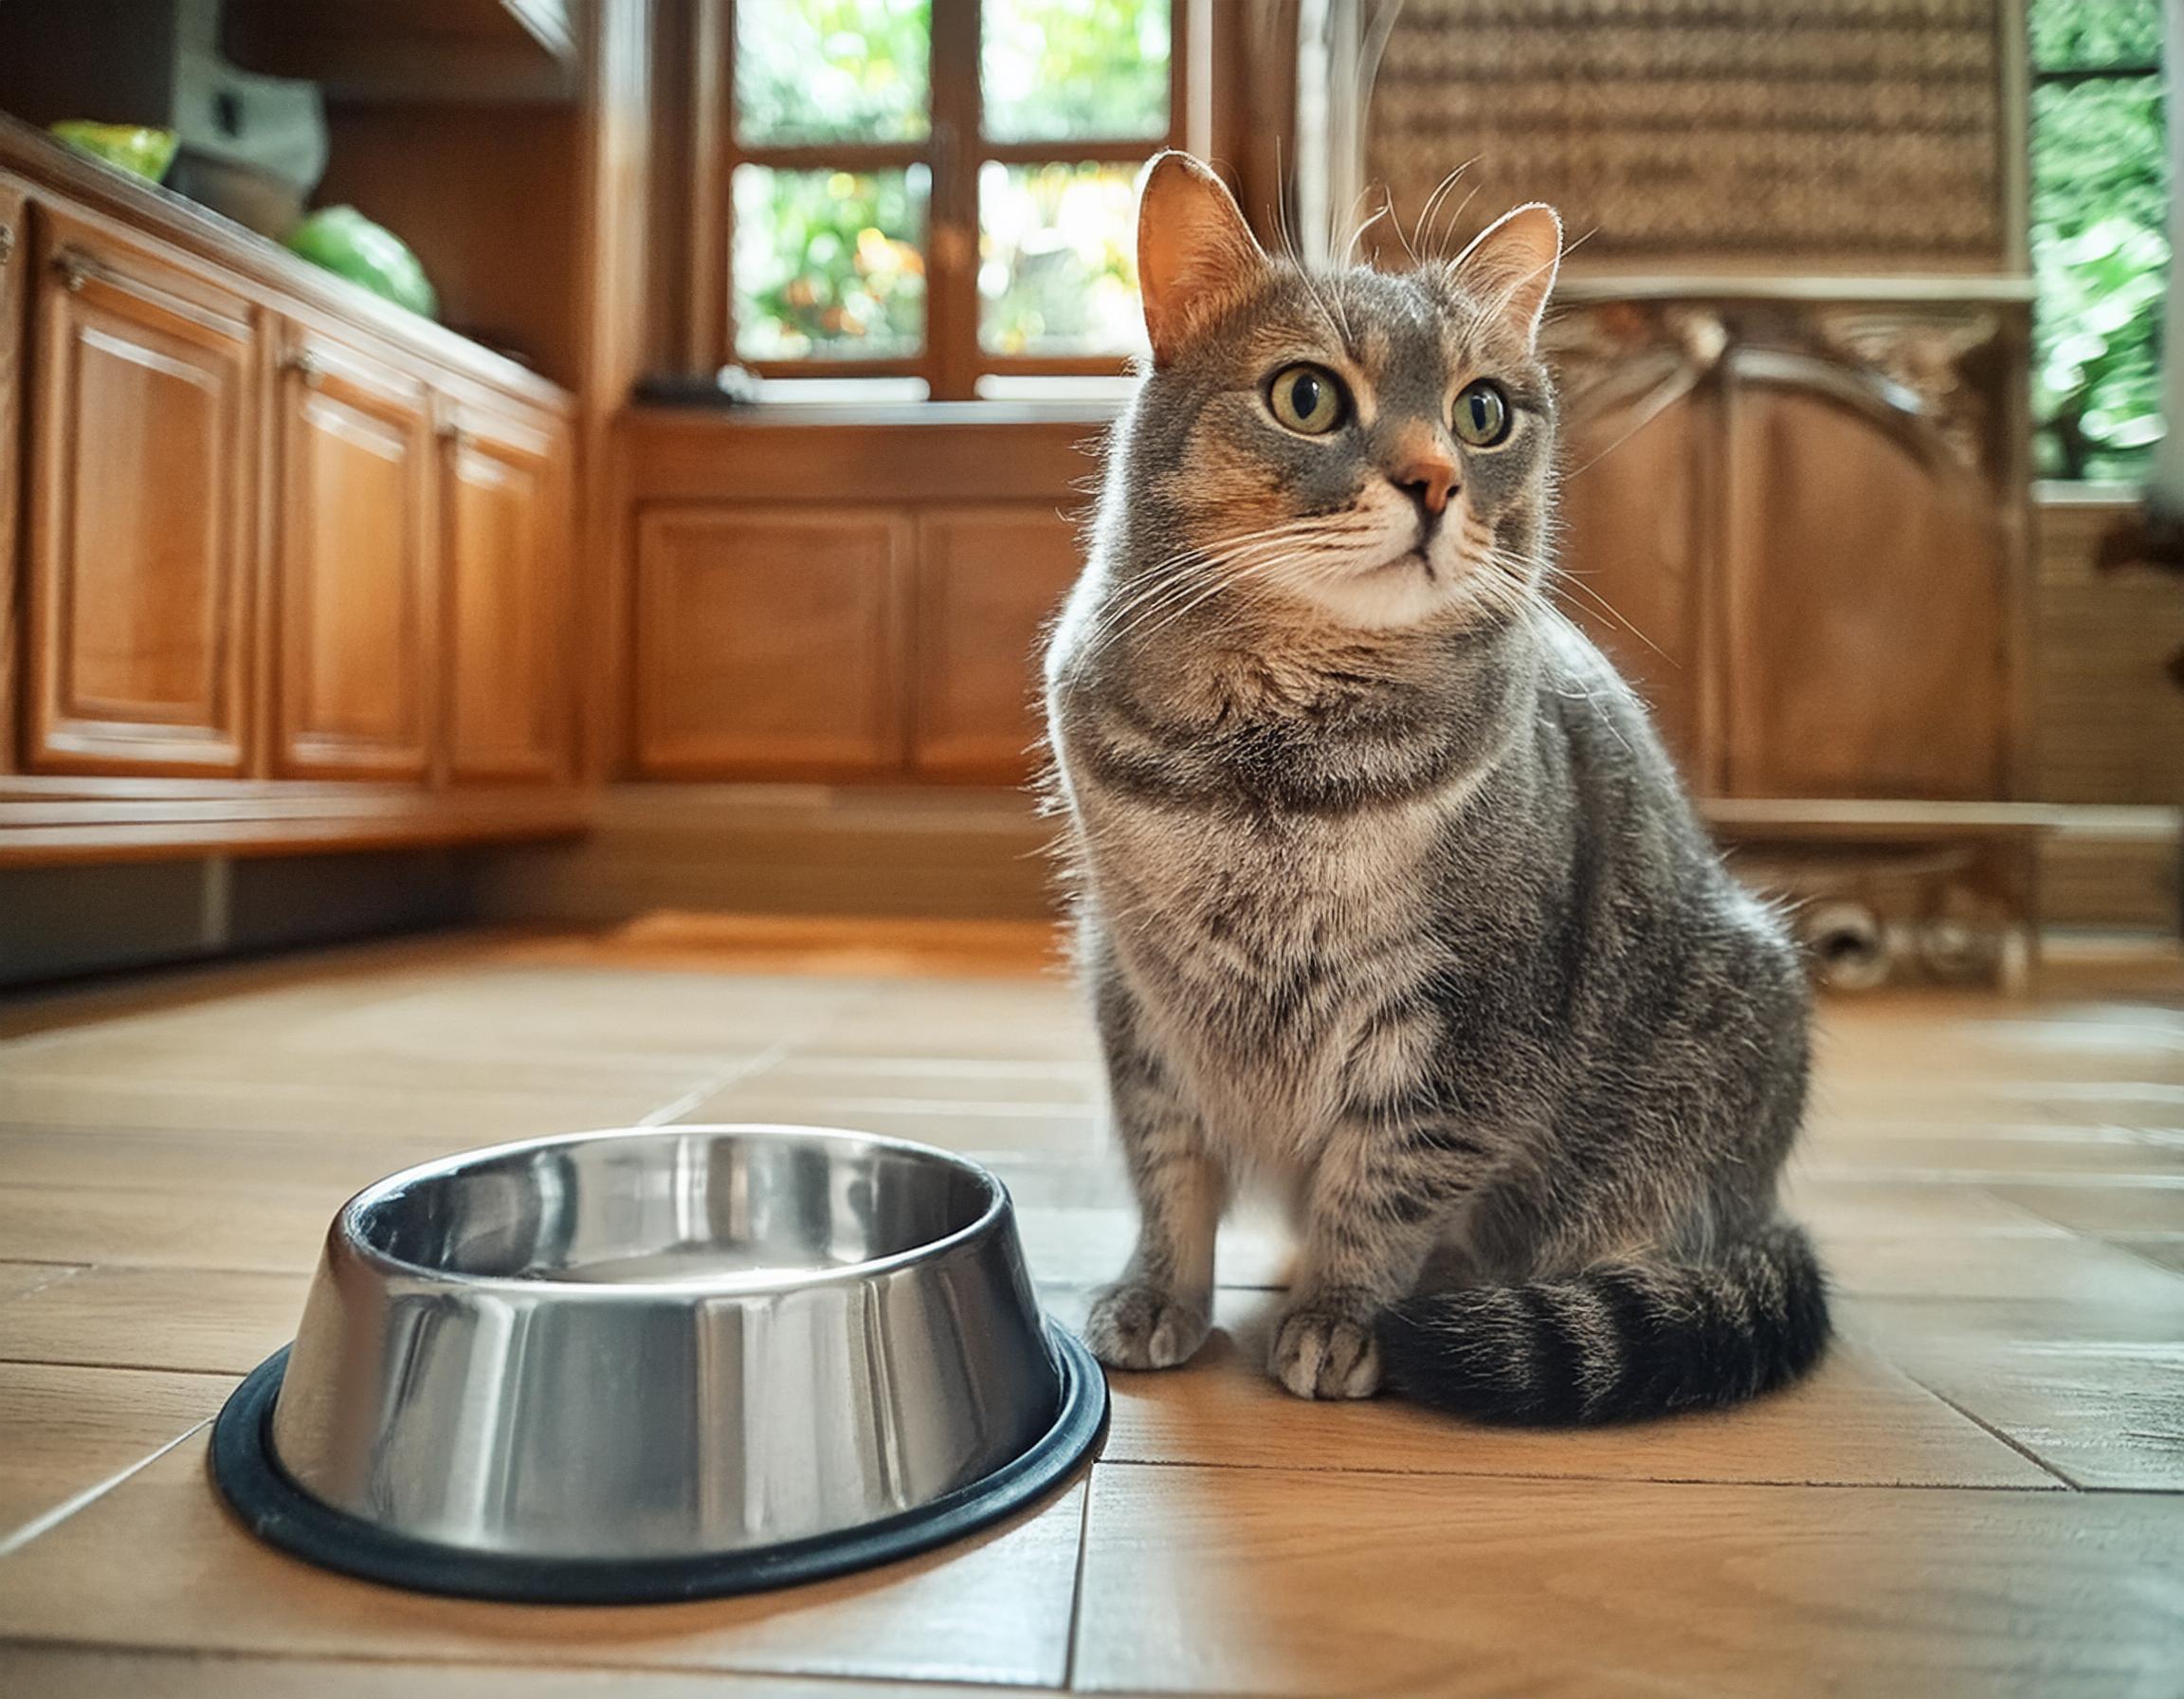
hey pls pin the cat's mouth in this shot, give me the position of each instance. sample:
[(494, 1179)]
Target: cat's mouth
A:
[(1408, 560)]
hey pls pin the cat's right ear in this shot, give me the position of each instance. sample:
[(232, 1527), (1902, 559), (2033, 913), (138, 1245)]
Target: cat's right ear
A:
[(1195, 254)]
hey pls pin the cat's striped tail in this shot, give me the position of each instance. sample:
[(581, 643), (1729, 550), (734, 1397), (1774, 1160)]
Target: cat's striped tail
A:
[(1619, 1341)]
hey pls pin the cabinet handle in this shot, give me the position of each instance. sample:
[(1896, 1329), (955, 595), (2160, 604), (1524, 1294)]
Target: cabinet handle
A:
[(306, 366), (7, 243), (75, 270)]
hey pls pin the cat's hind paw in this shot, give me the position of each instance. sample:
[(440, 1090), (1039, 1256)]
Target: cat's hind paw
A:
[(1135, 1326), (1324, 1354)]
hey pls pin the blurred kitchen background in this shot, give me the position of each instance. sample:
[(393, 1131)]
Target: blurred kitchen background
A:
[(541, 461)]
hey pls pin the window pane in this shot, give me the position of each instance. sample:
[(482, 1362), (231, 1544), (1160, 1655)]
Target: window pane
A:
[(831, 70), (1058, 69), (2100, 259), (2085, 34), (829, 264), (1056, 269)]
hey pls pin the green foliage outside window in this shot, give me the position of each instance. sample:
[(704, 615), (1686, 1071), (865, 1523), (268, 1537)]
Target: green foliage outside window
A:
[(832, 70), (1055, 69), (829, 264), (2100, 250)]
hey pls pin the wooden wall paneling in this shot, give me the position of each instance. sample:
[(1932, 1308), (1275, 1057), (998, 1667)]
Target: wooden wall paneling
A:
[(413, 50), (920, 453), (631, 247), (505, 533), (497, 233), (14, 304), (117, 202), (695, 186), (357, 621), (769, 643), (988, 579), (143, 483), (2110, 715), (1867, 596), (46, 821)]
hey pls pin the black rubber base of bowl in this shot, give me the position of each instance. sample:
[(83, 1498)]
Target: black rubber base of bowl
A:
[(281, 1513)]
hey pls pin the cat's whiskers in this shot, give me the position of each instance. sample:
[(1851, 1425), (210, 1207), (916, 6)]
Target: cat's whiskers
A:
[(1274, 568), (1552, 571), (1287, 238), (1418, 242), (1224, 564)]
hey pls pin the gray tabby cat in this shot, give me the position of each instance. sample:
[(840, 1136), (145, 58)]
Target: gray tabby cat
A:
[(1387, 893)]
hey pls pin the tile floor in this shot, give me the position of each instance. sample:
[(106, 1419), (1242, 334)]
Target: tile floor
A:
[(1982, 1491)]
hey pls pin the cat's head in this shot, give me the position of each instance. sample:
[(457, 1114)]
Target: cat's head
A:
[(1375, 444)]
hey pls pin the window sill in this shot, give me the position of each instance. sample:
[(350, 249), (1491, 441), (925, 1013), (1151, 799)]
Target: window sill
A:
[(773, 414), (2064, 492)]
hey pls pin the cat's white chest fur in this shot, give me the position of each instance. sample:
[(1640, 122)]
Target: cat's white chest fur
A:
[(1273, 959)]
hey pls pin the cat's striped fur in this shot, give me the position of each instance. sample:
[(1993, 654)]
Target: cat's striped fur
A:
[(1387, 894)]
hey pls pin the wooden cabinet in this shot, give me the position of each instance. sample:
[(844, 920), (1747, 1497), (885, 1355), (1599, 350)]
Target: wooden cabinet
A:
[(988, 580), (887, 641), (1634, 556), (143, 469), (1866, 601), (1796, 523), (769, 643), (354, 571), (504, 528), (287, 568), (14, 264)]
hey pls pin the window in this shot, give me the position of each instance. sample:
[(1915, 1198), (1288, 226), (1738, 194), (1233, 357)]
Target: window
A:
[(942, 188), (2099, 255)]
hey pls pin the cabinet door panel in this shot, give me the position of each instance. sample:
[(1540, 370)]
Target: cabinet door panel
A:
[(1632, 504), (354, 566), (143, 472), (988, 581), (504, 520), (14, 265), (1867, 607), (767, 644)]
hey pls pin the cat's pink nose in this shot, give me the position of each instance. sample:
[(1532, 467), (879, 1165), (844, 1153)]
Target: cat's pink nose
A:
[(1428, 478)]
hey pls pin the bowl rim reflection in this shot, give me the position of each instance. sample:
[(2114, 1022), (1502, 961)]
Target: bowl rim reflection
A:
[(346, 1229)]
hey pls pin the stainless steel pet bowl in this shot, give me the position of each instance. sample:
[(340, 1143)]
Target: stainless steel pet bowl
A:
[(659, 1363)]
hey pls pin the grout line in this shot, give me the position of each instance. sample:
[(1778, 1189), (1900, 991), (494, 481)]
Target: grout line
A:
[(57, 1273), (127, 1368), (1390, 1472), (68, 1508), (1076, 1583), (1992, 1431), (2137, 1255), (717, 1082), (731, 1679)]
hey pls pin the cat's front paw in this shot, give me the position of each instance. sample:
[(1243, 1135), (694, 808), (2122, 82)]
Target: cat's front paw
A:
[(1326, 1354), (1135, 1326)]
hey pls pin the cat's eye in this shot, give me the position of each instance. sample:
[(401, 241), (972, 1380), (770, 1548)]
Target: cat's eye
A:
[(1309, 400), (1481, 414)]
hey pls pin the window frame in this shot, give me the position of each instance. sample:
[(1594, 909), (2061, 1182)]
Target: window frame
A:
[(953, 148)]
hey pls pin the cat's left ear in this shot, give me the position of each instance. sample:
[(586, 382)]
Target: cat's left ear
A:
[(1512, 265), (1195, 254)]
